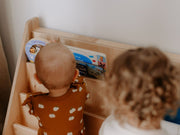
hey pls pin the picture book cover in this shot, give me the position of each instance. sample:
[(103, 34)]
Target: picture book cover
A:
[(90, 63), (33, 46)]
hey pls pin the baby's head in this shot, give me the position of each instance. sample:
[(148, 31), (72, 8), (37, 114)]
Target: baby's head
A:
[(55, 66), (142, 85)]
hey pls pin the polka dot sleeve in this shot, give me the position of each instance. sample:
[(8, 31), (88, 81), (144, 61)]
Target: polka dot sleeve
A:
[(84, 86), (29, 102), (81, 84)]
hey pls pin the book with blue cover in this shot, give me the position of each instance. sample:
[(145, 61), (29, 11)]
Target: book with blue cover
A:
[(90, 63)]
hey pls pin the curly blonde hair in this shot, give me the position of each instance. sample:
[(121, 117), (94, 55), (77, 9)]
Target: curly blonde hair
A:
[(142, 82)]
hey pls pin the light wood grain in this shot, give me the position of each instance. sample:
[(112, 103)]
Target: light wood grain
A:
[(34, 85), (23, 130), (20, 81), (27, 119)]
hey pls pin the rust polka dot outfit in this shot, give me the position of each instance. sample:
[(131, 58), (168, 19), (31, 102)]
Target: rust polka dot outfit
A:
[(60, 115)]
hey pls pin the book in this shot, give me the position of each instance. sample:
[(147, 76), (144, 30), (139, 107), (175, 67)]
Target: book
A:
[(90, 63)]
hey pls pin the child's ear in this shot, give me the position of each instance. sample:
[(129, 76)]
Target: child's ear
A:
[(76, 74), (36, 78)]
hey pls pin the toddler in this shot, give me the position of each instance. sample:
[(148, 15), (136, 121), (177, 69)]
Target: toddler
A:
[(60, 112), (142, 85)]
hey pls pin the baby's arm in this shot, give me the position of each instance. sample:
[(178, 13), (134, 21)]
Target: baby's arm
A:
[(85, 87), (29, 103)]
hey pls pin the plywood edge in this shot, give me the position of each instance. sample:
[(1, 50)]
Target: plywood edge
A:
[(94, 115), (65, 34), (23, 97), (29, 27), (23, 130), (82, 38), (28, 120)]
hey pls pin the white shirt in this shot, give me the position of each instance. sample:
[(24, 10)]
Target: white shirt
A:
[(111, 127)]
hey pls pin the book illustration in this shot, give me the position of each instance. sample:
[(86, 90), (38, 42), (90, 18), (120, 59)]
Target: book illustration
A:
[(101, 61), (90, 63), (90, 70), (32, 47)]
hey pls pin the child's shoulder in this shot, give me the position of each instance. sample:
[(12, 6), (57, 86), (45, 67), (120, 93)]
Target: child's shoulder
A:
[(36, 94), (30, 96), (110, 126), (80, 85), (79, 81)]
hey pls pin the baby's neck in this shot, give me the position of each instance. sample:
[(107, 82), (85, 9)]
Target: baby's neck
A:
[(58, 92)]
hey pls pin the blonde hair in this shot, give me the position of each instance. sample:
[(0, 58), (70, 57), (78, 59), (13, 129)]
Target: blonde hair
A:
[(142, 82), (55, 66)]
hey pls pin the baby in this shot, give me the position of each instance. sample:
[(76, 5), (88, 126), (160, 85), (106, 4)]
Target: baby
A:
[(60, 112), (142, 85)]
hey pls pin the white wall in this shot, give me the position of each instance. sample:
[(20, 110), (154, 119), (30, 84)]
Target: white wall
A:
[(137, 22)]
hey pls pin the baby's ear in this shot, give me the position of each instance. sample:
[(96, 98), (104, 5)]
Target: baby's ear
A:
[(37, 79), (76, 74)]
